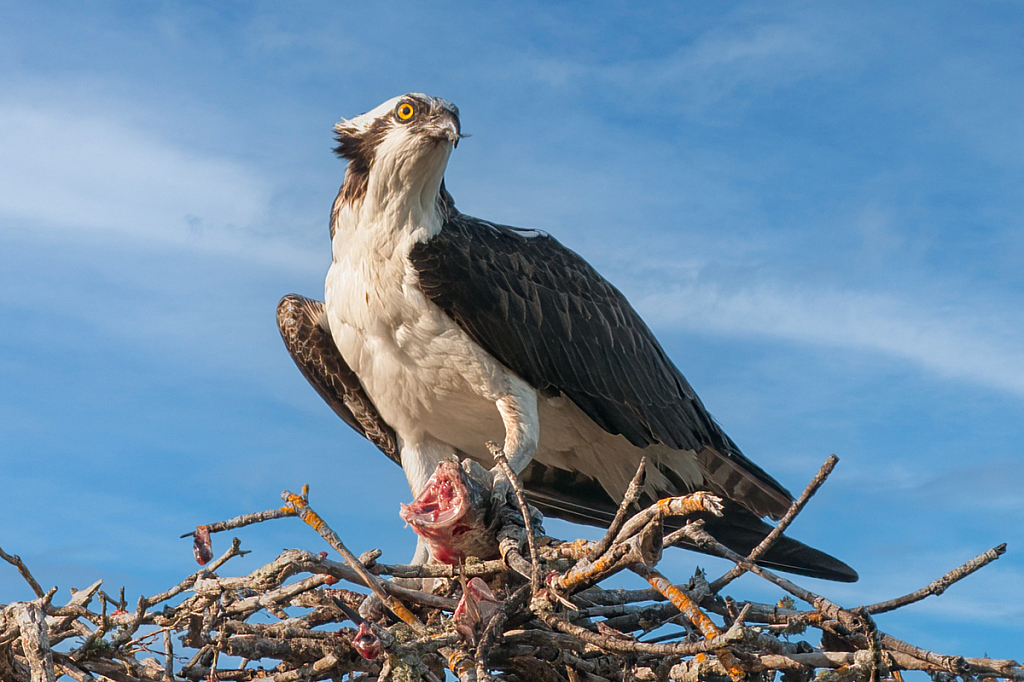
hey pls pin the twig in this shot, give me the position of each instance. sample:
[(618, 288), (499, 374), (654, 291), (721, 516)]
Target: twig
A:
[(630, 646), (313, 520), (35, 641), (956, 665), (633, 493), (682, 505), (769, 540), (499, 458), (482, 569), (16, 561), (937, 587), (679, 599), (168, 655), (584, 573), (696, 533), (188, 582), (245, 520)]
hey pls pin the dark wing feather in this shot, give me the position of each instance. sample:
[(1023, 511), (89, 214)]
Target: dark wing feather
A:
[(574, 497), (548, 316), (304, 330)]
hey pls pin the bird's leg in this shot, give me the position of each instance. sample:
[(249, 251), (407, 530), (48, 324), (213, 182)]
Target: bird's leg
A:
[(518, 410)]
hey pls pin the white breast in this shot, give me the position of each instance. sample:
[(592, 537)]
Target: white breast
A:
[(416, 365)]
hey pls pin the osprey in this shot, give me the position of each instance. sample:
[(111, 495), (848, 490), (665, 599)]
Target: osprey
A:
[(441, 332)]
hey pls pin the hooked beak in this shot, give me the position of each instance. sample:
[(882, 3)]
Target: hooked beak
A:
[(447, 127)]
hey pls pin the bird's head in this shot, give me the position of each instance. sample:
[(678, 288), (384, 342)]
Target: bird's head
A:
[(401, 146)]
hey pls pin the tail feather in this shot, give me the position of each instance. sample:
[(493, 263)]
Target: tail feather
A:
[(573, 497), (741, 531)]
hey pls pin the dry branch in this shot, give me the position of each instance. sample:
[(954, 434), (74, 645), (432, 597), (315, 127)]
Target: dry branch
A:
[(291, 620)]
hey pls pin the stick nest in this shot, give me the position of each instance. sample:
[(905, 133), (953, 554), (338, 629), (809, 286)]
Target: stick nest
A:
[(542, 612)]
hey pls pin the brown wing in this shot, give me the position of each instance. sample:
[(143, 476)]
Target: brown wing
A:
[(304, 329)]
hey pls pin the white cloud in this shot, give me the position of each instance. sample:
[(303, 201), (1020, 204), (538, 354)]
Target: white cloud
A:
[(70, 173), (712, 75), (953, 341), (90, 172)]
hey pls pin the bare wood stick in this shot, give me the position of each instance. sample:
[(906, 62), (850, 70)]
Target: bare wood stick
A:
[(59, 624), (693, 614), (528, 663), (639, 541), (35, 641), (807, 661), (794, 509), (696, 533), (633, 493), (293, 560), (585, 572), (992, 667), (483, 568), (245, 520), (953, 664), (188, 582), (93, 670), (314, 521), (62, 665), (680, 600), (16, 561), (168, 655), (404, 593), (630, 646), (300, 506), (682, 505), (199, 672), (499, 458), (939, 585), (508, 547), (310, 671)]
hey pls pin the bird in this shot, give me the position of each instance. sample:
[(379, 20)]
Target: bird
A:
[(440, 333)]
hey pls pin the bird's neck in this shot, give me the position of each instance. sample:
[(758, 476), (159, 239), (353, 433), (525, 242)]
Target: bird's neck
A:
[(386, 228), (400, 206)]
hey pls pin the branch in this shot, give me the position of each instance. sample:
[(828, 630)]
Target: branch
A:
[(16, 561), (794, 509), (939, 586), (633, 493)]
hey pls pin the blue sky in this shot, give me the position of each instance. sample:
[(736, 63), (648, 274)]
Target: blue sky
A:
[(817, 208)]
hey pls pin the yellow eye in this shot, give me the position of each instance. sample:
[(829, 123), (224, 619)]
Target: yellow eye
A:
[(405, 111)]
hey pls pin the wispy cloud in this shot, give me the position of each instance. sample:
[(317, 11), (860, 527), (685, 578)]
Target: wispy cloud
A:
[(708, 74), (955, 342), (89, 172), (69, 173)]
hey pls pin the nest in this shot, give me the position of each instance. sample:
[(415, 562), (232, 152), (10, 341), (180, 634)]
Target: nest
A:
[(541, 612)]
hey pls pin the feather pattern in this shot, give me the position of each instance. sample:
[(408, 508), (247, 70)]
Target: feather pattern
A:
[(547, 315), (303, 328)]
